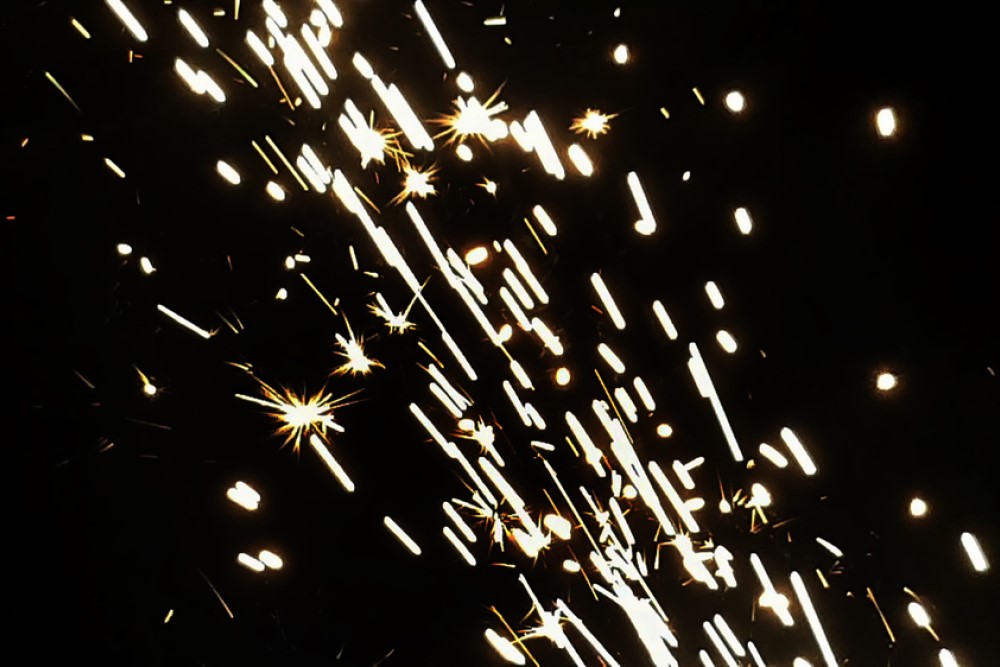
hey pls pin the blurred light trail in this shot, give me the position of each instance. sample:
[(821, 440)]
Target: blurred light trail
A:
[(186, 323), (435, 34), (817, 628), (338, 471), (798, 451), (129, 19), (401, 535), (974, 552)]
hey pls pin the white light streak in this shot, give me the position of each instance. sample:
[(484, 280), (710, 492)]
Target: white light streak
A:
[(773, 455), (518, 287), (324, 453), (611, 358), (227, 172), (525, 270), (627, 404), (817, 628), (259, 48), (539, 140), (459, 522), (646, 224), (249, 562), (271, 559), (274, 12), (186, 323), (401, 535), (885, 122), (974, 552), (755, 654), (798, 451), (609, 303), (129, 19), (696, 365), (543, 218), (714, 295), (726, 341), (675, 500), (244, 495), (114, 167), (719, 646), (462, 550), (743, 221), (665, 321), (644, 395), (319, 53), (333, 14), (578, 156), (435, 35), (504, 647), (193, 28), (549, 339), (146, 265), (832, 548)]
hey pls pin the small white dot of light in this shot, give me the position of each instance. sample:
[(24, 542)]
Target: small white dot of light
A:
[(477, 255), (735, 101), (886, 381), (725, 507), (686, 176), (918, 507), (289, 263), (282, 294), (885, 121), (146, 265), (629, 492), (149, 388), (563, 376), (645, 227), (621, 54), (465, 82), (124, 249), (801, 662), (664, 430), (571, 565), (505, 333), (463, 152)]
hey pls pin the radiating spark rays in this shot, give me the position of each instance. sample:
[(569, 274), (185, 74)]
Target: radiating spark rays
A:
[(298, 415), (593, 123)]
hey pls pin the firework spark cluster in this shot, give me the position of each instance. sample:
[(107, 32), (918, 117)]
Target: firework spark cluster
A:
[(622, 522)]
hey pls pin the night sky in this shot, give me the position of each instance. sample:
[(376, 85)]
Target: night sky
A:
[(867, 255)]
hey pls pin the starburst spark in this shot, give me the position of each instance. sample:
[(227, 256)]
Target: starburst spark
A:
[(299, 415), (416, 183), (593, 123), (473, 118), (352, 349)]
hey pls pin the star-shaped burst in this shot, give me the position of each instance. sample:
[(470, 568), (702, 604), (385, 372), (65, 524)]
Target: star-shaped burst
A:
[(299, 415), (593, 123)]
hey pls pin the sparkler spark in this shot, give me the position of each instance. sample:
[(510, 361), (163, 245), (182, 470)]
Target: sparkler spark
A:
[(593, 123), (299, 415)]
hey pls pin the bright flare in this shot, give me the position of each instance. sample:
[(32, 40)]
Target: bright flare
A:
[(918, 507), (620, 54), (886, 381), (593, 123), (885, 122), (743, 220), (735, 102)]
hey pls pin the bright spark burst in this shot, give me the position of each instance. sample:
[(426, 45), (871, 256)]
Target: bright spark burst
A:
[(416, 183), (593, 123), (473, 118), (299, 415), (358, 363)]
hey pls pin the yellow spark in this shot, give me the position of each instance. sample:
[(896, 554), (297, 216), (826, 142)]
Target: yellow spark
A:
[(489, 186), (353, 351), (593, 123), (473, 118), (416, 184), (170, 615), (885, 622), (396, 322), (237, 67), (148, 388), (298, 414), (284, 160), (79, 28)]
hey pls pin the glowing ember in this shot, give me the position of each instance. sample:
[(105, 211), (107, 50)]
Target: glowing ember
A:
[(885, 122), (593, 123), (885, 381), (735, 102)]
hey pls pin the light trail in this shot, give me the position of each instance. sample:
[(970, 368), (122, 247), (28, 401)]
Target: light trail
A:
[(401, 535)]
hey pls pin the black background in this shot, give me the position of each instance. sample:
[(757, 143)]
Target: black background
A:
[(867, 254)]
